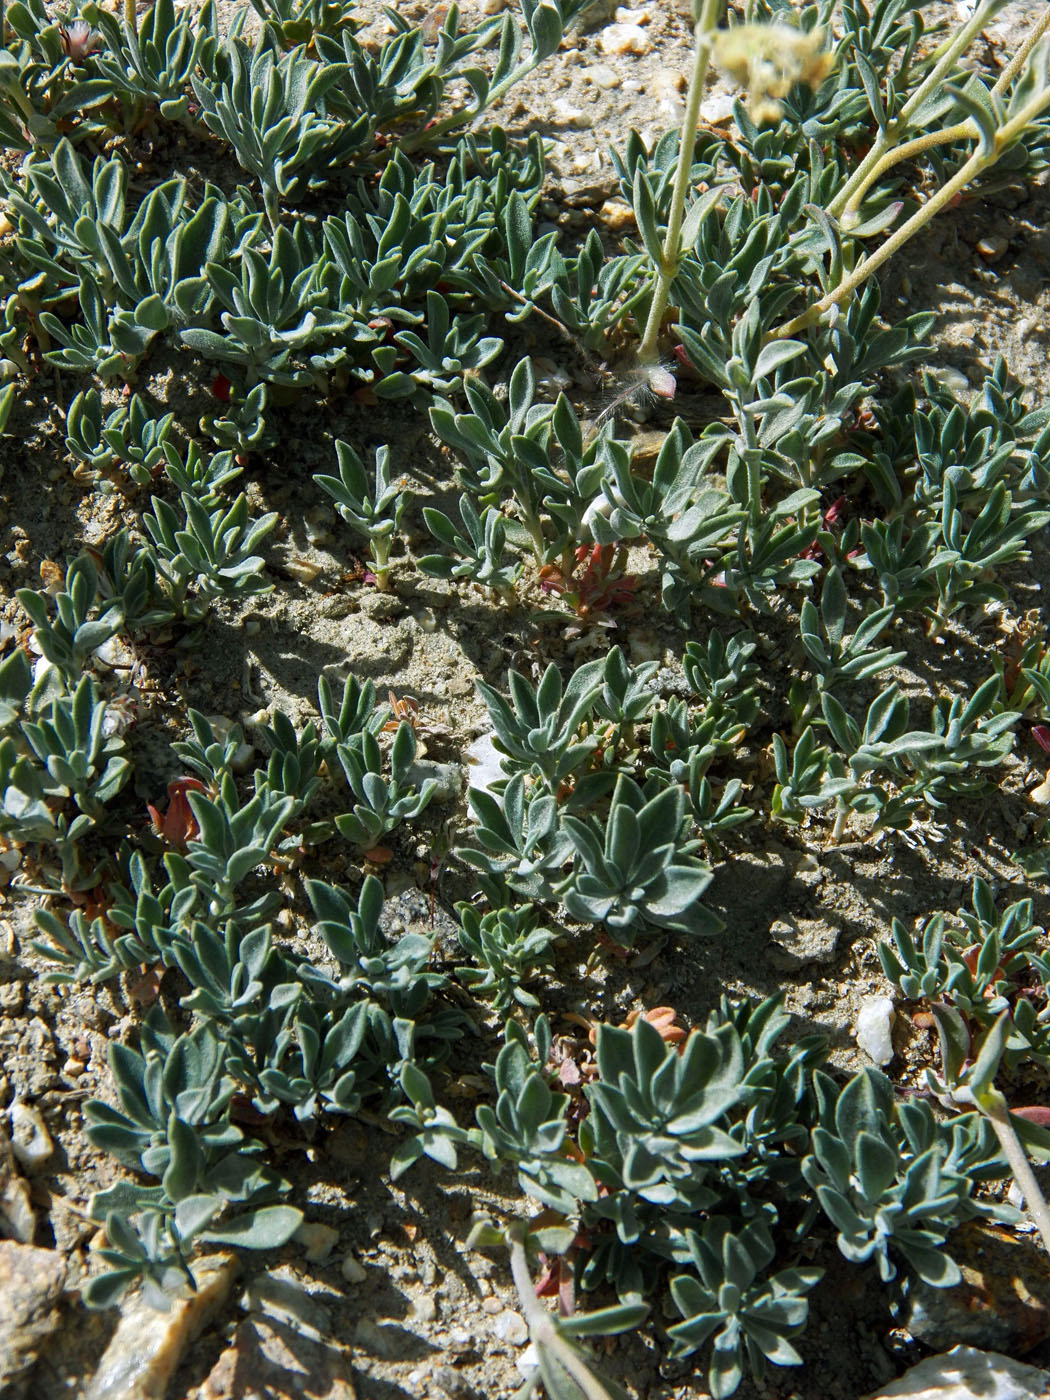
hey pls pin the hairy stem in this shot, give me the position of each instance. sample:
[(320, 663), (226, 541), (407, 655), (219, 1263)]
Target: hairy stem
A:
[(994, 1107), (672, 252), (1020, 58), (976, 165), (888, 136), (542, 1329)]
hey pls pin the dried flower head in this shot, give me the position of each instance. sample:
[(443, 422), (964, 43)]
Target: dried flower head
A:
[(767, 60), (79, 40)]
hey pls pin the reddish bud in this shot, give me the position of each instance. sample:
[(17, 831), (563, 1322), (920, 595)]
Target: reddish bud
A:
[(177, 825), (221, 387), (1035, 1113), (1041, 735)]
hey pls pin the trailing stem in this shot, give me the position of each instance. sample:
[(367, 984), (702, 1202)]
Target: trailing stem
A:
[(975, 166), (888, 135)]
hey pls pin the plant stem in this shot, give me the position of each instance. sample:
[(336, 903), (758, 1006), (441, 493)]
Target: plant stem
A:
[(131, 18), (957, 44), (978, 162), (381, 559), (959, 132), (994, 1107), (542, 1329), (672, 252)]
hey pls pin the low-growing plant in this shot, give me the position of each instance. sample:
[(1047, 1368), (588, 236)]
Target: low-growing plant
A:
[(373, 510)]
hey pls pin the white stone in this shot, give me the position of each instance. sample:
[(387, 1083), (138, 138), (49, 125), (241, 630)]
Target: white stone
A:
[(873, 1028), (717, 108), (352, 1269), (148, 1345), (624, 38), (30, 1140), (964, 1373), (510, 1327), (318, 1240), (528, 1360), (485, 762), (600, 75), (568, 115)]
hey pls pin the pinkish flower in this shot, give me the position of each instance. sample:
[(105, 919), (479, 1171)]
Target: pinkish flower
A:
[(79, 40)]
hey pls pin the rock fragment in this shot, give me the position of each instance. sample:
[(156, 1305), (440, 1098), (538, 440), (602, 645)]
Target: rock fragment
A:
[(318, 1240), (30, 1140), (992, 248), (273, 1358), (624, 39), (617, 215), (148, 1345), (874, 1029), (510, 1327), (1002, 1301), (17, 1218), (968, 1374), (31, 1282), (798, 942)]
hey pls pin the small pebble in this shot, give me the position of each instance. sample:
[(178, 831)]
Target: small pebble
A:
[(617, 215), (30, 1140), (669, 82), (243, 758), (318, 1240), (623, 39), (528, 1360), (1041, 794), (627, 16), (424, 1308), (73, 1068), (717, 108), (873, 1028), (568, 115), (993, 248), (1027, 327), (600, 76), (485, 764), (510, 1327), (302, 570), (492, 1306), (352, 1269)]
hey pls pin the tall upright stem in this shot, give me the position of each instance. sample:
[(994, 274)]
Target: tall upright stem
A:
[(672, 253)]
